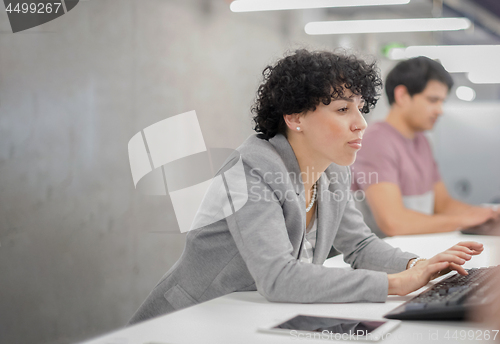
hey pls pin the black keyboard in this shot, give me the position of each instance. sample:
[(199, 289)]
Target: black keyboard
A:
[(451, 298)]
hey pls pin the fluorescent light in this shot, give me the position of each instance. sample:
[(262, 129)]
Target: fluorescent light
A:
[(484, 76), (480, 61), (273, 5), (465, 93), (387, 25), (455, 58), (397, 54)]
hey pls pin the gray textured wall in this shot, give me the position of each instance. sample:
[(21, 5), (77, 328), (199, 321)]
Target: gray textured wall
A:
[(80, 249)]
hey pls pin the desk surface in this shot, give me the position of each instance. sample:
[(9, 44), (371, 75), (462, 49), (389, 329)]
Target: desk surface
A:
[(235, 318)]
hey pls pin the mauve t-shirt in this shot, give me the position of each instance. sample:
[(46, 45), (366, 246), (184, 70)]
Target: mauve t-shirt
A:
[(388, 156)]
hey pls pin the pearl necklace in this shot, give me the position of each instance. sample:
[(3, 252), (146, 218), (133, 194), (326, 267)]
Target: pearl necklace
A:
[(313, 198)]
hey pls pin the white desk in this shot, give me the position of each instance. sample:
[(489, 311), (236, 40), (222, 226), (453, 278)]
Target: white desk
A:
[(235, 318)]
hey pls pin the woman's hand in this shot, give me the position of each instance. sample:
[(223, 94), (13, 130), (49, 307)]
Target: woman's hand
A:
[(452, 259)]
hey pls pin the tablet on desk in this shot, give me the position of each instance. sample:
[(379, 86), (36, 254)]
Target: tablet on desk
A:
[(315, 327)]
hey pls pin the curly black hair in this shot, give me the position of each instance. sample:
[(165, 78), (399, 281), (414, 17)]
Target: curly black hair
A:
[(300, 81)]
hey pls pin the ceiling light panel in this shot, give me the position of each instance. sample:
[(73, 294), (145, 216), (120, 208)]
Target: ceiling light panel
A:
[(274, 5), (387, 25)]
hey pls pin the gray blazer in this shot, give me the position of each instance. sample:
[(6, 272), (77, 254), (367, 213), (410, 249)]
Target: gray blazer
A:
[(257, 247)]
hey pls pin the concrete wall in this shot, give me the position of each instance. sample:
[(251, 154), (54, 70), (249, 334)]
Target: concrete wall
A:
[(80, 249)]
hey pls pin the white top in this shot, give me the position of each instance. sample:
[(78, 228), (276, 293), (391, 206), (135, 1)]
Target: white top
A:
[(307, 253)]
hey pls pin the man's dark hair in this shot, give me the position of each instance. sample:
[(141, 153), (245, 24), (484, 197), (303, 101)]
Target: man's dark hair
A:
[(300, 81), (414, 74)]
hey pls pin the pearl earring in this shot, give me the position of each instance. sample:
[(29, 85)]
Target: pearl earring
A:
[(298, 128)]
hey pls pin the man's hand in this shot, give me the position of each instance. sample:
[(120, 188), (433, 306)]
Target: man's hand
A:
[(393, 218), (477, 215), (452, 259)]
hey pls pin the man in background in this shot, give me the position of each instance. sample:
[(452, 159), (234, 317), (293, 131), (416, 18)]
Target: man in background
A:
[(404, 193)]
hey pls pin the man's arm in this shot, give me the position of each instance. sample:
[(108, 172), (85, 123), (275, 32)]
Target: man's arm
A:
[(364, 250), (393, 218), (445, 204)]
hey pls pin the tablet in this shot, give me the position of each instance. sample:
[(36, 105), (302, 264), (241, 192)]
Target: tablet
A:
[(315, 327)]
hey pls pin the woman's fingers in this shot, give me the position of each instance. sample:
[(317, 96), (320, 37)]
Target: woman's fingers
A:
[(460, 254), (435, 268), (447, 257), (461, 249), (453, 258), (458, 269), (472, 245), (476, 252)]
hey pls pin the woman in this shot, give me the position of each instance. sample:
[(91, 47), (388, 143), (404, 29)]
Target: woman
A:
[(295, 183)]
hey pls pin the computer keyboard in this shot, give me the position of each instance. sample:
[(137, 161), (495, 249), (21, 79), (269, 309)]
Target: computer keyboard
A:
[(451, 298), (490, 227)]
